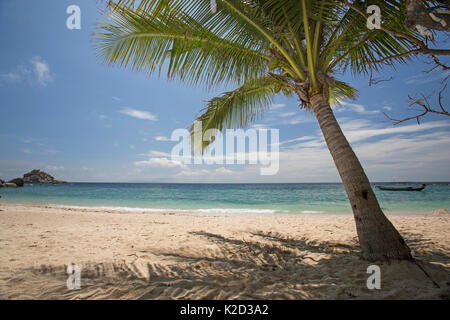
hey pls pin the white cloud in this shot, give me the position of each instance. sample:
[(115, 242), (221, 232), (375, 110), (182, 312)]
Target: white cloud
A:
[(224, 172), (404, 153), (138, 114), (358, 108), (288, 118), (258, 126), (387, 108), (154, 153), (36, 71), (287, 114), (162, 138), (409, 152), (41, 70), (355, 130), (160, 162), (304, 138), (316, 143)]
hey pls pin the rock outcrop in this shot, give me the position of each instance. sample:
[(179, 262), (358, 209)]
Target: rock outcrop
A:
[(38, 176), (10, 185), (18, 182), (34, 176)]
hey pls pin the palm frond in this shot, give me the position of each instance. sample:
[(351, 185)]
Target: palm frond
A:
[(189, 50), (361, 49), (238, 108), (340, 91)]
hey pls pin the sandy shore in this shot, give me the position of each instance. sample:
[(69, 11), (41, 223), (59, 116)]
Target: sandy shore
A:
[(187, 256)]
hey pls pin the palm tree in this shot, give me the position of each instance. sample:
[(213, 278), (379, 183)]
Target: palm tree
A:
[(268, 48)]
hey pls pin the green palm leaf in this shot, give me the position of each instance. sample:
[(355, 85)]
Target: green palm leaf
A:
[(238, 108), (186, 48)]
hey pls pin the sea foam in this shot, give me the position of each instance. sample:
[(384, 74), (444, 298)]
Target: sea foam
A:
[(206, 211)]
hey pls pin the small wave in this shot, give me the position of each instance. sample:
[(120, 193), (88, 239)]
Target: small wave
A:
[(311, 211), (120, 209), (164, 210), (229, 210)]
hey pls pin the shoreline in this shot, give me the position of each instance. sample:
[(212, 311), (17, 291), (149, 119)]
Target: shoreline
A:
[(189, 256), (202, 212)]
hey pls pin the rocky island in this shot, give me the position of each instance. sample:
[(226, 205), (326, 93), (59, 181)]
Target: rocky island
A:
[(34, 176)]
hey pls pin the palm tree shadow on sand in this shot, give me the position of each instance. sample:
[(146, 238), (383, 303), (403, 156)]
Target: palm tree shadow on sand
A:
[(269, 266)]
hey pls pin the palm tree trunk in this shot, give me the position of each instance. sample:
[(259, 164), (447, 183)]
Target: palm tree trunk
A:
[(378, 238)]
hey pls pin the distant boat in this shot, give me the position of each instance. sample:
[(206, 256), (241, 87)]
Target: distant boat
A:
[(422, 186)]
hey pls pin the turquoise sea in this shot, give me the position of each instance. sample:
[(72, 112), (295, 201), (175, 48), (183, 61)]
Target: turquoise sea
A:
[(223, 198)]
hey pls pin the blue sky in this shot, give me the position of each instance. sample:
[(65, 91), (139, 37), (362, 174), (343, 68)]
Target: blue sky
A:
[(65, 112)]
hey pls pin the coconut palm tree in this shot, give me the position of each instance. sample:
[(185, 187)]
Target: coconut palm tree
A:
[(268, 48)]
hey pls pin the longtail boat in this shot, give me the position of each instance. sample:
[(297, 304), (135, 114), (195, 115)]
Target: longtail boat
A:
[(422, 186)]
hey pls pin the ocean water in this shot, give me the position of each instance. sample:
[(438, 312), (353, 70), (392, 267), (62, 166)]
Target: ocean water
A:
[(223, 198)]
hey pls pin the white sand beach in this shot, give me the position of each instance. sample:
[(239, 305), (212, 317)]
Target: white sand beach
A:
[(188, 256)]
